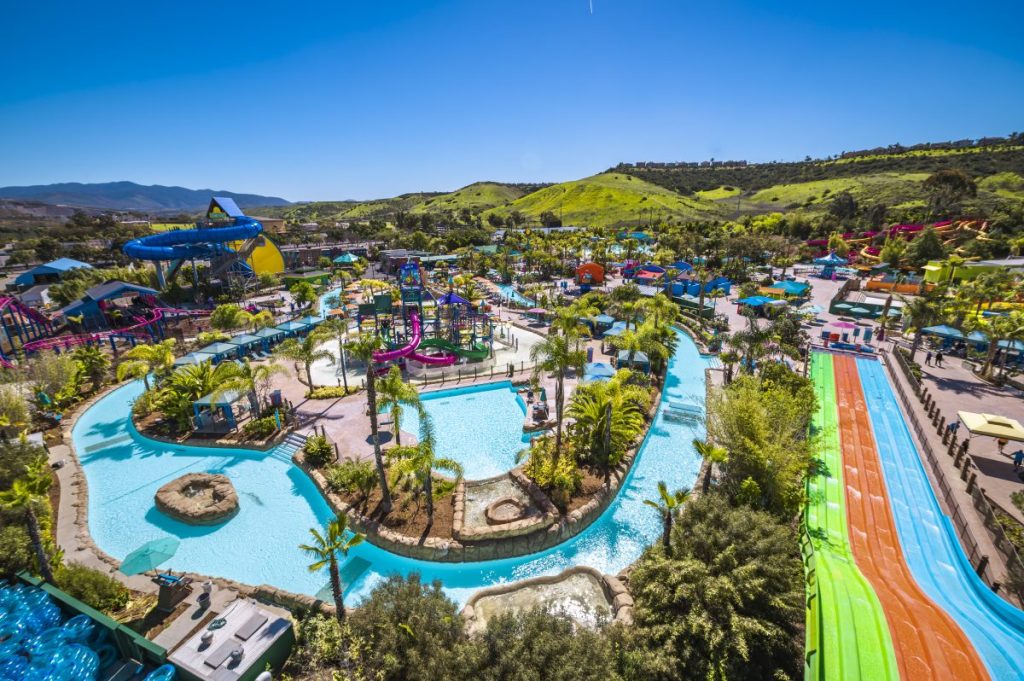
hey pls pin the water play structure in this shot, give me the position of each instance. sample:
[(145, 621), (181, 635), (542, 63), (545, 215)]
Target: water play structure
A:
[(233, 243), (891, 593), (451, 326)]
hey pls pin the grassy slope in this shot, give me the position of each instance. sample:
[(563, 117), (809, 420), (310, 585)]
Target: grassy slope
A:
[(888, 188), (475, 197), (1008, 185), (718, 194), (609, 199)]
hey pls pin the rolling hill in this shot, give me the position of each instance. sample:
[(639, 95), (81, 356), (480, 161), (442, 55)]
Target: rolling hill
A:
[(609, 199), (131, 196), (475, 197)]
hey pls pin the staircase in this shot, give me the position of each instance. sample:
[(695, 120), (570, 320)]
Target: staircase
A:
[(292, 443)]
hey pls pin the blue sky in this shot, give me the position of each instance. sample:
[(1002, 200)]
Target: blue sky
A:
[(335, 100)]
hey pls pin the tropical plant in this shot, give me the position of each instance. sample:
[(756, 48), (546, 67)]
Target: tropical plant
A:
[(326, 547), (318, 451), (305, 352), (352, 476), (27, 494), (188, 383), (229, 316), (14, 414), (609, 416), (727, 605), (146, 358), (420, 461), (94, 364), (558, 474), (204, 338), (556, 355), (303, 293), (338, 327), (363, 348), (919, 311), (711, 453), (667, 504), (395, 394)]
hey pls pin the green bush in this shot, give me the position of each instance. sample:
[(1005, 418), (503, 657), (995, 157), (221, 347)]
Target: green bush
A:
[(1018, 500), (92, 587), (15, 551), (260, 429), (331, 392), (319, 451), (352, 476)]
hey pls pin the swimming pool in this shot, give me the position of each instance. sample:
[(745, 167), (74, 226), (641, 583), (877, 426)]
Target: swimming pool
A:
[(278, 504), (509, 293), (481, 427)]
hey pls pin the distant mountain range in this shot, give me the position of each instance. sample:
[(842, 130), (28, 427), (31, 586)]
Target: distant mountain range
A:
[(131, 196)]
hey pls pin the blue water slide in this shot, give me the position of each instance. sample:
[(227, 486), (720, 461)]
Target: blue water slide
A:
[(184, 244), (936, 559)]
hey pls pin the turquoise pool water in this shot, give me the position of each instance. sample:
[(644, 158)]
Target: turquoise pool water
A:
[(508, 292), (481, 427), (278, 504)]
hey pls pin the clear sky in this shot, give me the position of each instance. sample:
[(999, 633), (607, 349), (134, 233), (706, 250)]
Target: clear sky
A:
[(335, 100)]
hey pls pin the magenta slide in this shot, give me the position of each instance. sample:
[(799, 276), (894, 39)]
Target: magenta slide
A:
[(409, 349)]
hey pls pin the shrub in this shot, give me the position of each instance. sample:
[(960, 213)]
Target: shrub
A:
[(331, 392), (319, 451), (538, 646), (319, 644), (1018, 500), (92, 587), (207, 337), (15, 551), (15, 456), (352, 476), (260, 429)]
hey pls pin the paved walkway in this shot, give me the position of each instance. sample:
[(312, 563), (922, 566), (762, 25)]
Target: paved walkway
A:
[(955, 389), (960, 495)]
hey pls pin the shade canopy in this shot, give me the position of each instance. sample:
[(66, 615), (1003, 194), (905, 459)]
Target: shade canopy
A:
[(791, 288), (618, 328), (756, 301), (269, 333), (830, 259), (811, 309), (311, 320), (992, 425), (639, 358), (597, 371), (859, 310), (149, 556), (291, 327), (218, 349), (244, 339), (194, 358), (604, 319), (224, 399), (843, 306), (452, 299), (537, 310), (947, 331), (346, 259)]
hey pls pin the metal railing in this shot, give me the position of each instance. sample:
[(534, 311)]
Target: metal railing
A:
[(982, 504)]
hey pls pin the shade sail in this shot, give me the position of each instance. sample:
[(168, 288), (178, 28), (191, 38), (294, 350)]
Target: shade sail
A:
[(992, 425)]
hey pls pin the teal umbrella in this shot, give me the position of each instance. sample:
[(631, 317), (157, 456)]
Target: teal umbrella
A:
[(148, 556)]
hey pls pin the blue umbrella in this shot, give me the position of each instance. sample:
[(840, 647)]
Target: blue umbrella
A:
[(150, 555)]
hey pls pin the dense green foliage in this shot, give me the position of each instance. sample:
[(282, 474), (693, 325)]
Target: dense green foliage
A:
[(318, 451), (92, 587)]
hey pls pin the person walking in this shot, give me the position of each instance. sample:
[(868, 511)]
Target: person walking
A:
[(928, 358), (938, 358), (1018, 459)]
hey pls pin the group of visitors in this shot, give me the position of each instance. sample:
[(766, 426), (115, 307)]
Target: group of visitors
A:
[(937, 357)]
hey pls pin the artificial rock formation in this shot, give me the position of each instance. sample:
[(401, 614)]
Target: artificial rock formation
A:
[(198, 499)]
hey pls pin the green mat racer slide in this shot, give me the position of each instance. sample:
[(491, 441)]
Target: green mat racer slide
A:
[(478, 351), (847, 635)]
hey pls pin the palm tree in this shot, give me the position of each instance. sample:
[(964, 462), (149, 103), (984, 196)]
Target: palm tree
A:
[(25, 495), (420, 462), (395, 394), (919, 312), (188, 383), (261, 320), (953, 262), (667, 505), (660, 310), (306, 352), (609, 415), (556, 355), (363, 348), (997, 329), (325, 549), (711, 453), (339, 328), (251, 379), (145, 359)]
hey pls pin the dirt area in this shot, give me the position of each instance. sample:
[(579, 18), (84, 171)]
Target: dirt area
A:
[(593, 481), (408, 513)]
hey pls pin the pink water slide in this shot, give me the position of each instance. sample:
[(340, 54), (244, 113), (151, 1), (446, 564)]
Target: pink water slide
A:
[(409, 349)]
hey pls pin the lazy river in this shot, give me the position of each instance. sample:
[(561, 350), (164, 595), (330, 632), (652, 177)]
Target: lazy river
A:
[(278, 503)]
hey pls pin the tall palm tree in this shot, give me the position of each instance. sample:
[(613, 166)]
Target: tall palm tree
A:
[(338, 327), (305, 351), (420, 461), (660, 310), (144, 359), (712, 453), (609, 415), (363, 347), (668, 504), (251, 379), (325, 549), (919, 311), (556, 355), (395, 394), (26, 494)]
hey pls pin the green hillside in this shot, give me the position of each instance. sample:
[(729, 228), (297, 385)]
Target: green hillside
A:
[(609, 199), (475, 197)]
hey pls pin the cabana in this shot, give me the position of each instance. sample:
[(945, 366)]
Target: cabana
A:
[(312, 321), (290, 329), (220, 351), (194, 358), (245, 342), (795, 289), (209, 407), (640, 360), (269, 335), (831, 260), (346, 260), (617, 329)]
